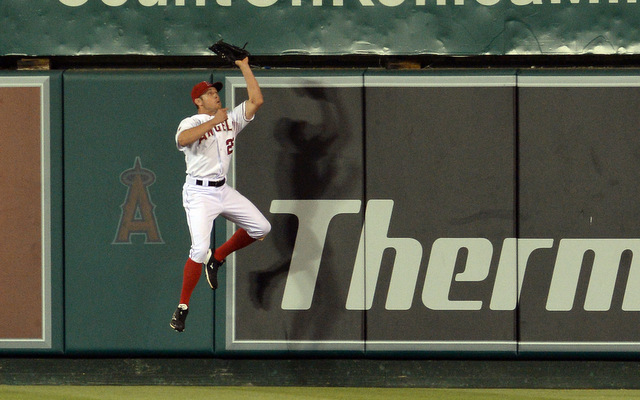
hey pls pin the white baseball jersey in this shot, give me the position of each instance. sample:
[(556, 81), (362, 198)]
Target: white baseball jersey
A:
[(208, 160), (209, 157)]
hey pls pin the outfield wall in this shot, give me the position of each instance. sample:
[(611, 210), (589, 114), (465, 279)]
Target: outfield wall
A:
[(320, 28), (471, 213)]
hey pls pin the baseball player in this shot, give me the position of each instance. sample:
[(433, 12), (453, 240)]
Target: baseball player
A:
[(207, 140)]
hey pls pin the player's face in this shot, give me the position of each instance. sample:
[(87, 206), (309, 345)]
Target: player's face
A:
[(211, 101)]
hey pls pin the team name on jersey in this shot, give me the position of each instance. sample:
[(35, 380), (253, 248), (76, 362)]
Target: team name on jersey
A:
[(222, 126)]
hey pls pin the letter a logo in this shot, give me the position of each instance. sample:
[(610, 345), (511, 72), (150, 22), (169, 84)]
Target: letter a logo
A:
[(138, 217)]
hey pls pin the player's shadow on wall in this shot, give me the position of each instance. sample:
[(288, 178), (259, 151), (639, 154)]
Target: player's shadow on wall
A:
[(308, 170)]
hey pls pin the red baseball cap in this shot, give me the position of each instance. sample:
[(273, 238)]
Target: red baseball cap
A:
[(199, 89)]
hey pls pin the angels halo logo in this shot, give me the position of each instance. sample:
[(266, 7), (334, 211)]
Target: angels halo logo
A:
[(138, 216)]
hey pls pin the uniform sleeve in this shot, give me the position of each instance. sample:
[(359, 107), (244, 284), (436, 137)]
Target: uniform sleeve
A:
[(185, 124), (239, 117), (243, 113)]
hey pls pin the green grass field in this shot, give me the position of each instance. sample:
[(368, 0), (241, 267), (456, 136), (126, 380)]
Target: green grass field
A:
[(297, 393)]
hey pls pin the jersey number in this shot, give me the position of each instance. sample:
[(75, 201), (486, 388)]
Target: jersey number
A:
[(229, 146)]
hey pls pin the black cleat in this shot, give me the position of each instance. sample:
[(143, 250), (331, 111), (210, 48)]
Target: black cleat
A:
[(177, 321), (211, 266)]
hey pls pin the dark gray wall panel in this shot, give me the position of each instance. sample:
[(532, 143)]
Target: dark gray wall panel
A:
[(579, 157), (440, 151), (300, 162)]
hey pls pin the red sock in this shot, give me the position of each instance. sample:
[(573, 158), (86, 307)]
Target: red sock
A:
[(190, 278), (239, 240)]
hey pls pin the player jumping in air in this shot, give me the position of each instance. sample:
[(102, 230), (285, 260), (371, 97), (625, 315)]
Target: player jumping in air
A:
[(207, 140)]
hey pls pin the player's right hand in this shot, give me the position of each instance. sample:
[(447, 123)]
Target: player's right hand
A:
[(221, 115)]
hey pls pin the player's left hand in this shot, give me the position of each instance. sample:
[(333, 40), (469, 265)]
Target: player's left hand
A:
[(244, 61)]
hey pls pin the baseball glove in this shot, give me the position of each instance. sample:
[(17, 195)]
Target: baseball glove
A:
[(229, 52)]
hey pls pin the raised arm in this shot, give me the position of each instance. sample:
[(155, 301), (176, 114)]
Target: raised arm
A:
[(255, 94)]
